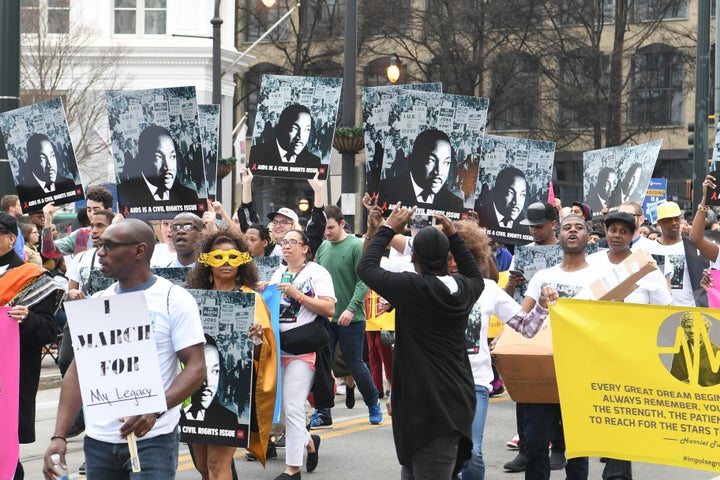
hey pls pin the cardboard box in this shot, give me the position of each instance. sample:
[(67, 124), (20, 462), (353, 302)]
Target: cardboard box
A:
[(526, 365), (620, 281)]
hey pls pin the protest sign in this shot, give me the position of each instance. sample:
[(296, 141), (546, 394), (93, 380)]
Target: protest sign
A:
[(218, 412), (116, 357), (9, 393), (158, 160), (294, 126), (42, 159)]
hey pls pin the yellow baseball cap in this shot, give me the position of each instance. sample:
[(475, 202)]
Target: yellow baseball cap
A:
[(668, 210)]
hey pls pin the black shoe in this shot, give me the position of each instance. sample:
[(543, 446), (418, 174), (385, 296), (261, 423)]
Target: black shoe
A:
[(312, 458), (77, 427), (270, 453), (285, 476), (349, 397), (557, 461), (517, 464)]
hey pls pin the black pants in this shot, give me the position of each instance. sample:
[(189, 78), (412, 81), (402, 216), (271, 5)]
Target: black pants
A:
[(433, 461), (617, 470)]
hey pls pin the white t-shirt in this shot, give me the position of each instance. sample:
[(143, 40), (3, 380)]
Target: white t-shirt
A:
[(652, 288), (172, 333), (81, 265), (314, 281), (492, 301), (162, 256), (568, 284), (676, 267), (641, 242)]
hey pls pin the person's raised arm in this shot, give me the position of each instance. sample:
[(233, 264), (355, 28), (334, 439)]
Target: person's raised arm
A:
[(247, 213), (219, 210), (707, 248), (369, 269), (315, 229)]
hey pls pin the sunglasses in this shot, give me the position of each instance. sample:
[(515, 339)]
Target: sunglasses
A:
[(188, 227), (218, 258), (108, 246)]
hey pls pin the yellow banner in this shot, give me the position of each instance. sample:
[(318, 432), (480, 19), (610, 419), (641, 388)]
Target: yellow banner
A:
[(631, 386), (377, 321)]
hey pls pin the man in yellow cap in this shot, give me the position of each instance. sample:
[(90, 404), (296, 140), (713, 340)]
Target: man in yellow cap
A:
[(682, 261)]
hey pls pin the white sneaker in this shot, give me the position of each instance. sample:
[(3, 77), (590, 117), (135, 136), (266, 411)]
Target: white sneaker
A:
[(513, 444)]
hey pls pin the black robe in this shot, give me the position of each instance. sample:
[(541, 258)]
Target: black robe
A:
[(433, 388)]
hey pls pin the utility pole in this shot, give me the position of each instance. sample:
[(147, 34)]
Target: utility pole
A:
[(9, 78), (702, 97)]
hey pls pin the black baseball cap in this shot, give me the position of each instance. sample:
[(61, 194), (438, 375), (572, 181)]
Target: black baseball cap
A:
[(620, 217), (8, 222), (539, 213)]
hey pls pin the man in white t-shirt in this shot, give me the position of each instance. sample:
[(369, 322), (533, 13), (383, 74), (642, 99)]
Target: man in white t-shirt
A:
[(124, 252), (682, 262), (570, 278)]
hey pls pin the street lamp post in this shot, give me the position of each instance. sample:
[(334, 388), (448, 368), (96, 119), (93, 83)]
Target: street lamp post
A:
[(347, 185)]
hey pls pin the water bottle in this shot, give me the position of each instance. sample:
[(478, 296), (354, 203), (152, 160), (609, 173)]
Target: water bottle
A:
[(55, 458), (287, 277)]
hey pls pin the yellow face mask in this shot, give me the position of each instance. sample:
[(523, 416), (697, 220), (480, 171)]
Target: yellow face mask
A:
[(218, 258)]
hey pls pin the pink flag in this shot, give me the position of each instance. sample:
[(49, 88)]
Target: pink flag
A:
[(9, 394), (714, 292), (551, 195)]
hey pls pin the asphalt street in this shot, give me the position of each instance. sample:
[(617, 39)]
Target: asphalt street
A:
[(352, 450)]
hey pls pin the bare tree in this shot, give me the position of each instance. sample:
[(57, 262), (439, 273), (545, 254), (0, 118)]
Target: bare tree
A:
[(68, 65), (571, 71), (309, 43)]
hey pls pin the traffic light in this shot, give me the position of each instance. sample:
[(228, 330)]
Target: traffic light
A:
[(691, 139)]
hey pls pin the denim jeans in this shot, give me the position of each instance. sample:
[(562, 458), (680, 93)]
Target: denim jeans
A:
[(540, 420), (351, 340), (111, 461), (474, 468)]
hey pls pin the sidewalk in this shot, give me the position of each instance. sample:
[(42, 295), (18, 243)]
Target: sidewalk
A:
[(49, 374)]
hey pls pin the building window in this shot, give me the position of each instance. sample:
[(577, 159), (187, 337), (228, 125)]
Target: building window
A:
[(48, 16), (383, 18), (515, 92), (584, 83), (571, 12), (58, 16), (257, 19), (464, 15), (323, 19), (656, 96), (650, 10), (140, 17)]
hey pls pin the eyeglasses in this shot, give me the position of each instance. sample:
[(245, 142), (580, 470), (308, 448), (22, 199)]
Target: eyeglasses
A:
[(292, 242), (108, 246), (218, 258), (188, 227), (283, 223)]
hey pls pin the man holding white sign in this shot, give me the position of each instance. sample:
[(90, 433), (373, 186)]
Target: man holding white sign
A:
[(124, 252)]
